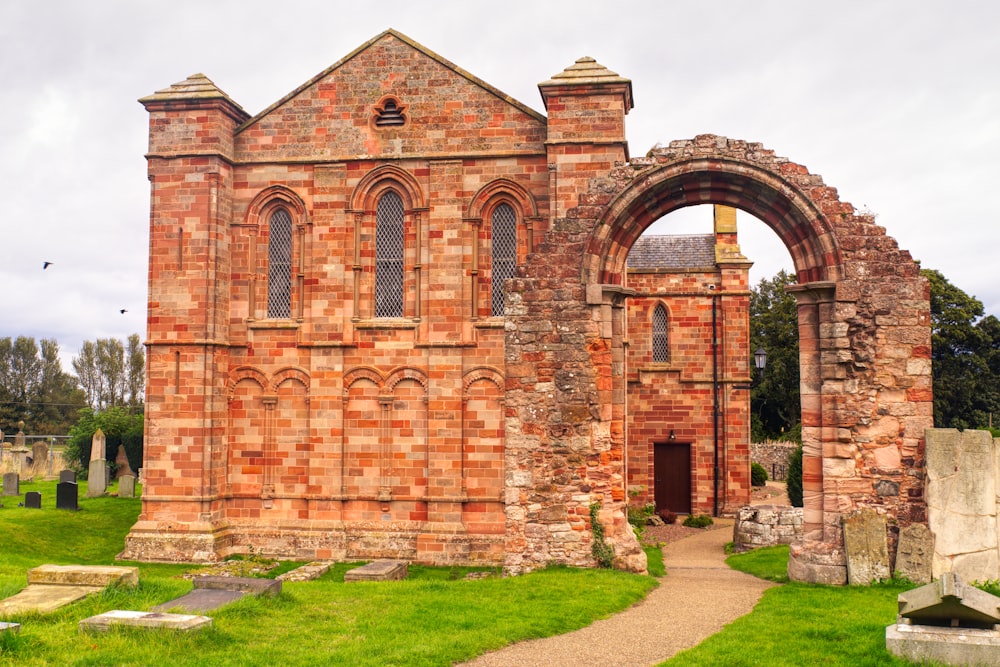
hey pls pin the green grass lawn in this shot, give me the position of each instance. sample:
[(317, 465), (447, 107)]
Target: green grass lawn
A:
[(432, 618), (801, 624)]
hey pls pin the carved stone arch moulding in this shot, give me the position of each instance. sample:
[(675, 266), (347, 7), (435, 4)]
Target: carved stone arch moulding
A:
[(502, 189), (400, 374), (277, 195), (487, 373), (245, 373), (371, 186), (290, 373), (373, 375), (786, 199)]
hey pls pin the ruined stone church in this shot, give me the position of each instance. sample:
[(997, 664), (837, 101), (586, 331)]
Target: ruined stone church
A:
[(401, 314)]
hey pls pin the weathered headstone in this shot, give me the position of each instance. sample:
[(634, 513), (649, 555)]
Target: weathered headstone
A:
[(67, 476), (915, 553), (98, 446), (97, 474), (67, 497), (126, 486), (33, 500), (39, 455), (121, 460), (866, 547), (11, 484)]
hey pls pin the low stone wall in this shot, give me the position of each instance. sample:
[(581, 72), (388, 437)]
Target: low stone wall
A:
[(773, 455), (766, 525)]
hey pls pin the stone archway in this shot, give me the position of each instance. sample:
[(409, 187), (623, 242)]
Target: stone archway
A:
[(864, 329)]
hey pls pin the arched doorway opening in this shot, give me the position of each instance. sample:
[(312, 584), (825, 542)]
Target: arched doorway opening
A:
[(863, 314), (689, 363)]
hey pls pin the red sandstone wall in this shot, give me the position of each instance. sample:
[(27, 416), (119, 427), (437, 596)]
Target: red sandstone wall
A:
[(678, 396)]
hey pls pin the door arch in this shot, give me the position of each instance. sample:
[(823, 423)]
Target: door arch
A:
[(864, 331)]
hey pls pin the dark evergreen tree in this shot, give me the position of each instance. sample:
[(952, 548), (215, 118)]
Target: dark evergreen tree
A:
[(774, 402)]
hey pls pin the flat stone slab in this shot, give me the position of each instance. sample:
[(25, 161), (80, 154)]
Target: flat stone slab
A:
[(144, 619), (9, 627), (380, 570), (44, 598), (212, 592), (252, 585), (307, 572), (200, 600), (84, 575), (949, 646)]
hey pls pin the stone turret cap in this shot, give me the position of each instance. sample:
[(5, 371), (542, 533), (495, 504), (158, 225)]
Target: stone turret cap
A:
[(588, 72), (196, 88)]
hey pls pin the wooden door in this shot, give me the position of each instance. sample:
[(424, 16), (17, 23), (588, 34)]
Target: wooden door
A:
[(672, 475)]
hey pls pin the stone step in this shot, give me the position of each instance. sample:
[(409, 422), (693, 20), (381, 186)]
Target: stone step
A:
[(84, 575), (144, 619)]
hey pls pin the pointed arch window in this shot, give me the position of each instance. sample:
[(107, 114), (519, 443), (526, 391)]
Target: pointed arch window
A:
[(279, 265), (661, 344), (389, 256), (504, 229)]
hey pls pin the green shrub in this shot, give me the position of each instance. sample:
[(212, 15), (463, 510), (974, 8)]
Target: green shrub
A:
[(758, 474), (603, 552), (120, 427), (638, 517), (794, 478), (698, 521)]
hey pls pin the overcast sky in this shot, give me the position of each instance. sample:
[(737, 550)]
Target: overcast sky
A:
[(895, 104)]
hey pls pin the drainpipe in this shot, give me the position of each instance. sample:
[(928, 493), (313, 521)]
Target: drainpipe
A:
[(715, 401)]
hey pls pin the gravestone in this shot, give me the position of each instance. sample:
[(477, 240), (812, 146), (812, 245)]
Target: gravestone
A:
[(915, 553), (126, 486), (39, 455), (67, 476), (97, 475), (67, 497), (121, 460), (866, 547), (11, 484), (33, 500)]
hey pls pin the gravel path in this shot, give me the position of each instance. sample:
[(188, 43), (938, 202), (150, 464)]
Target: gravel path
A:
[(699, 596)]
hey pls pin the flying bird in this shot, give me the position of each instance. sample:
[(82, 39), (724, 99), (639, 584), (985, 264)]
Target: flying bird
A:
[(46, 265), (123, 311)]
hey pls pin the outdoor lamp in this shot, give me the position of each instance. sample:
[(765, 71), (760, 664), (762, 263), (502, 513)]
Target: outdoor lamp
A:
[(760, 361)]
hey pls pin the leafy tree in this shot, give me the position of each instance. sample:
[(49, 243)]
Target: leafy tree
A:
[(774, 402), (111, 373), (34, 389), (965, 352), (120, 427)]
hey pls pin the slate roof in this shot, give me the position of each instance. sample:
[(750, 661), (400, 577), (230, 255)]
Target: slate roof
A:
[(675, 251)]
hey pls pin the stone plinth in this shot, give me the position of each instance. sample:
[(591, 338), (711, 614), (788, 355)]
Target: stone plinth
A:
[(949, 646), (380, 570)]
